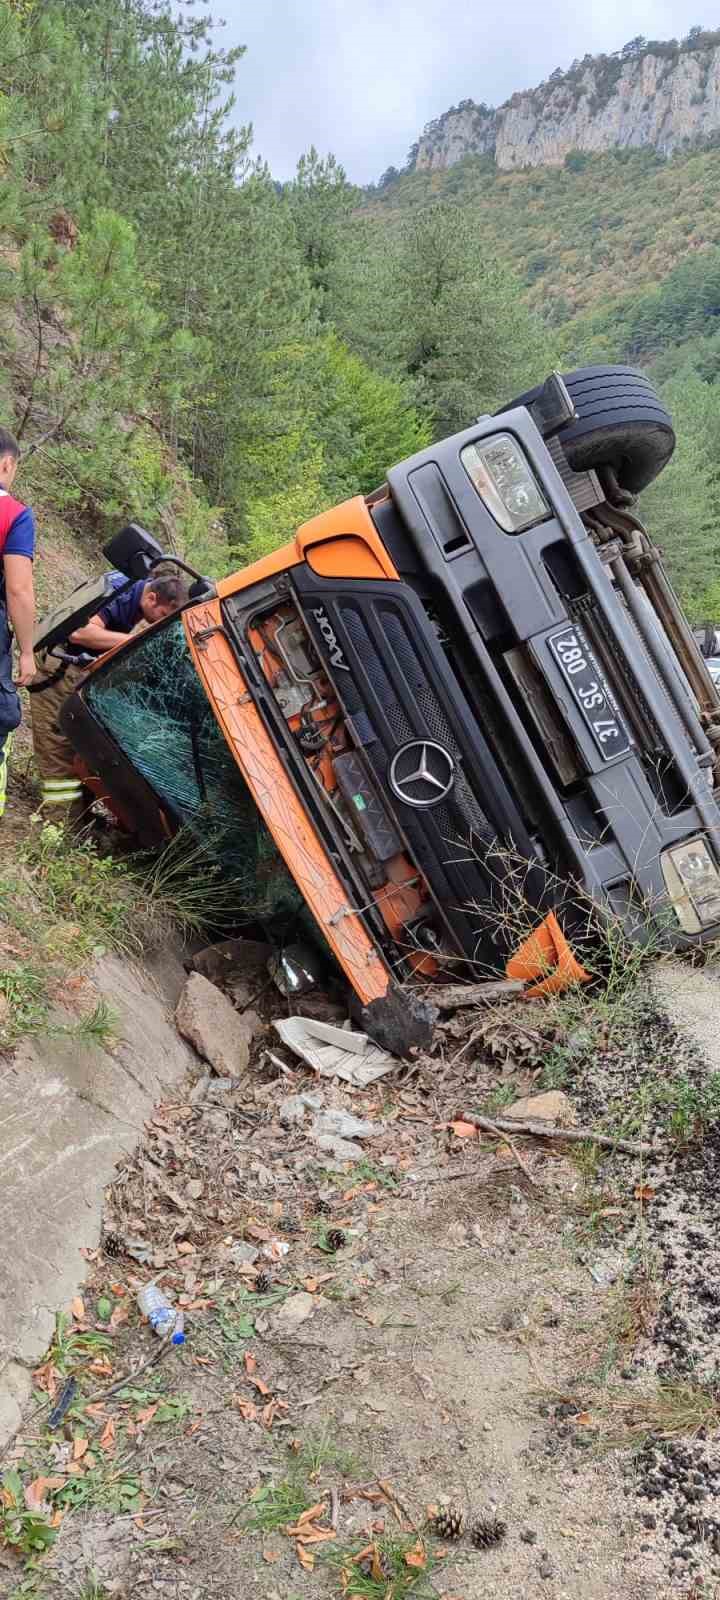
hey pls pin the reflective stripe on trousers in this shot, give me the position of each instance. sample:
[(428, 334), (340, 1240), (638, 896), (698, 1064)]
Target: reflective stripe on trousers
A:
[(60, 791), (4, 757)]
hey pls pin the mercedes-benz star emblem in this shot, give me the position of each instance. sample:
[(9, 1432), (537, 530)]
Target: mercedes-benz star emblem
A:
[(422, 773)]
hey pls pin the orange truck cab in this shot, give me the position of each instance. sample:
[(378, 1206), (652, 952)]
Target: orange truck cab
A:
[(447, 719)]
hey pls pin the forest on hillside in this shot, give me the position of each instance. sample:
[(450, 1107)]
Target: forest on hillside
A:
[(188, 341)]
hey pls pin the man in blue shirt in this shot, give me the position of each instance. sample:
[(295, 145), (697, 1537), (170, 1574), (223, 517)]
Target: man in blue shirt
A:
[(147, 600), (142, 603), (17, 599)]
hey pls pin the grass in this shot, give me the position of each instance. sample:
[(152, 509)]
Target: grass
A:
[(234, 1320), (181, 888), (72, 883), (69, 1348), (676, 1409), (366, 1171), (318, 1451), (690, 1109), (24, 990), (106, 1487), (99, 1026), (686, 1110), (28, 1533), (62, 905), (389, 1569), (277, 1505), (503, 1094)]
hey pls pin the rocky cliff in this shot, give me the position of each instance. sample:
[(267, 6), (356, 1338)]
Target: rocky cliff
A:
[(662, 95)]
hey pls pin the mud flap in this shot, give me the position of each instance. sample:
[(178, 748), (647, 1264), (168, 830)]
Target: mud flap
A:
[(546, 955), (397, 1022)]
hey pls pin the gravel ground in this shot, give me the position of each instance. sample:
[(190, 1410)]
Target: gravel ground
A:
[(492, 1333)]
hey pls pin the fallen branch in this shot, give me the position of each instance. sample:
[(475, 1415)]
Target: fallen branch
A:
[(550, 1130), (498, 1128), (475, 994)]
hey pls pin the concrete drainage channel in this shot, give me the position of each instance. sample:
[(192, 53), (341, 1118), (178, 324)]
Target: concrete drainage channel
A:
[(68, 1112)]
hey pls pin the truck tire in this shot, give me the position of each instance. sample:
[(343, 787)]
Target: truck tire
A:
[(622, 423)]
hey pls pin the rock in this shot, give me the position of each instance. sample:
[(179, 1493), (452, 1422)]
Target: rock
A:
[(205, 1017), (528, 1536), (294, 1311), (343, 1125), (339, 1149), (553, 1106), (4, 1009), (606, 1269), (195, 1188), (233, 960), (546, 1568), (292, 1111), (242, 992), (652, 101), (243, 1254)]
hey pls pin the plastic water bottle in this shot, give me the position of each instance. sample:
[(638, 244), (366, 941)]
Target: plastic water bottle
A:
[(162, 1316)]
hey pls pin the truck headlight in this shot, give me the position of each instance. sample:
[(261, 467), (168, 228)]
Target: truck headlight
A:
[(693, 883), (504, 480)]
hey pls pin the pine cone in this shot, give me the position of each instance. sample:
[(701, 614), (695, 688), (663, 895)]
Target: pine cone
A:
[(322, 1208), (488, 1531), (449, 1523), (336, 1239), (263, 1283), (112, 1245)]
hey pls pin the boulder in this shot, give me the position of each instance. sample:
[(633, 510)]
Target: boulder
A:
[(206, 1018), (234, 961), (553, 1106)]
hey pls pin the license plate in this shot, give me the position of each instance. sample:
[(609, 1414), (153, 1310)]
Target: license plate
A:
[(589, 689)]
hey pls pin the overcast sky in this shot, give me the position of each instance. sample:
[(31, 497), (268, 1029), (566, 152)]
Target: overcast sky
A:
[(362, 77)]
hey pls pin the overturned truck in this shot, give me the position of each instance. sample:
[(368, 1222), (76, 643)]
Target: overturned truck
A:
[(461, 718)]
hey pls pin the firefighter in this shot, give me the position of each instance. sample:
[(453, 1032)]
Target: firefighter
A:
[(146, 601), (17, 600)]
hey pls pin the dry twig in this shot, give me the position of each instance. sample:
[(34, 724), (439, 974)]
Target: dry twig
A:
[(455, 995), (539, 1129), (498, 1128)]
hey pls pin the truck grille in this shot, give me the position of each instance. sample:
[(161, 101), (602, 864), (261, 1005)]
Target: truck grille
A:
[(390, 673), (463, 819)]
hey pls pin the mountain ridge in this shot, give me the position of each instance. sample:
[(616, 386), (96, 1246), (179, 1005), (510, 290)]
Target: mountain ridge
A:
[(661, 94)]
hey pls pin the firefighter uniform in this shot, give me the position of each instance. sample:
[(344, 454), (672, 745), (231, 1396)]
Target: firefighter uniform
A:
[(60, 787)]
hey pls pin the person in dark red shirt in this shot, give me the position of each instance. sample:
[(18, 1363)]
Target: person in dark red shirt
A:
[(17, 599)]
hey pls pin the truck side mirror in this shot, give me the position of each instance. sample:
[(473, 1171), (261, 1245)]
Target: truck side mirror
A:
[(553, 409), (133, 551)]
